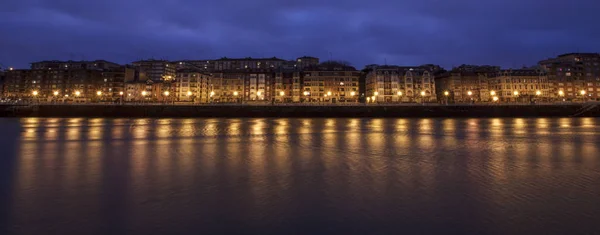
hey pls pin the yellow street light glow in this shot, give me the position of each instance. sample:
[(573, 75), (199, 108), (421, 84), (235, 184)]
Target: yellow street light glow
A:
[(329, 93), (212, 93), (582, 92), (55, 93), (99, 93), (189, 93), (120, 93), (281, 93), (306, 93), (67, 95), (11, 68), (422, 93), (368, 99), (538, 92), (399, 93), (561, 93), (341, 83), (469, 93), (373, 98), (166, 93), (35, 93), (493, 93), (352, 93), (495, 98), (77, 93), (446, 93), (235, 93), (128, 94), (144, 93), (376, 93), (325, 95), (515, 93), (259, 93)]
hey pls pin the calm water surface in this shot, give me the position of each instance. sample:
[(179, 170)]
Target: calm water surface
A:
[(299, 176)]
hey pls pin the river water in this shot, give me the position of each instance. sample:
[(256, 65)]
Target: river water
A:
[(299, 176)]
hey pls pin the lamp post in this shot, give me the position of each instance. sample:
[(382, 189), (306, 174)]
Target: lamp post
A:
[(470, 94), (422, 97), (516, 94), (166, 94), (35, 94), (446, 94), (399, 93), (582, 92)]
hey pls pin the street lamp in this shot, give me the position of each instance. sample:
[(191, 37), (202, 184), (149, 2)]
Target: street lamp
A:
[(516, 93), (341, 83), (235, 93), (306, 93), (495, 98), (399, 93), (376, 93), (538, 93), (189, 93), (166, 93), (144, 93), (77, 93), (582, 92), (368, 99), (352, 93), (99, 93), (55, 93), (329, 93), (493, 93), (212, 93), (120, 93), (561, 93), (281, 93), (34, 93), (446, 93), (470, 93)]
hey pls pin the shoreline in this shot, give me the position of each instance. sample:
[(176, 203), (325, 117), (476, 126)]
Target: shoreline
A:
[(289, 110)]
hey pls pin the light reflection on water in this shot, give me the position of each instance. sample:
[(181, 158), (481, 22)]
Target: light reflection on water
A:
[(168, 176)]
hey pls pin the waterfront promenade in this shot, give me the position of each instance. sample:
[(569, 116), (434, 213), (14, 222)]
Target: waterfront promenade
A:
[(589, 109)]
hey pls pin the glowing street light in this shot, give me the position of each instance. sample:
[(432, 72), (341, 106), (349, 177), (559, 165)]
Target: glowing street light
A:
[(341, 83), (495, 98), (470, 93), (493, 93), (212, 93), (373, 98), (259, 93), (376, 93), (189, 93), (235, 93), (121, 93), (281, 93), (561, 93), (352, 93), (368, 99), (166, 93), (306, 93), (55, 93), (516, 93), (99, 93), (329, 93), (446, 93), (582, 92), (422, 93), (399, 93), (77, 93), (538, 93), (144, 93), (35, 93)]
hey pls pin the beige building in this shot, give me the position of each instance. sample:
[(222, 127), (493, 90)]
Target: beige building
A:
[(71, 64), (520, 85), (392, 84), (330, 82), (193, 86), (466, 84)]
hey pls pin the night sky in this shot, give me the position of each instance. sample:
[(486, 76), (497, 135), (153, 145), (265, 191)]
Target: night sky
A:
[(509, 33)]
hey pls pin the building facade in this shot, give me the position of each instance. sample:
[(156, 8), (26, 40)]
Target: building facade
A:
[(193, 86), (521, 86), (574, 76), (330, 82), (227, 64), (155, 70), (390, 84), (70, 64)]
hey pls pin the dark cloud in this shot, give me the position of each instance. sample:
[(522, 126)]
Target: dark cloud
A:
[(504, 32)]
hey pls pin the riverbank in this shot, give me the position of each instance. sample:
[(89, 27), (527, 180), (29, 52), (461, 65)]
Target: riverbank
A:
[(94, 110)]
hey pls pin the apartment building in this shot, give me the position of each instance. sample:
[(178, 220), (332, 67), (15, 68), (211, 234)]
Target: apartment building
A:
[(390, 84), (521, 85), (330, 82)]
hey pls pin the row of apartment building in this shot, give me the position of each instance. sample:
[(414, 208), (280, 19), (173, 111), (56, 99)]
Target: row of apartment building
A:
[(568, 77)]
